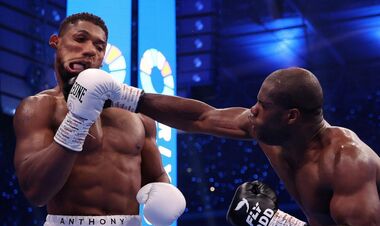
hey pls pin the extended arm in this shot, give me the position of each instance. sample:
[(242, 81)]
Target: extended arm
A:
[(42, 165), (355, 200), (195, 116)]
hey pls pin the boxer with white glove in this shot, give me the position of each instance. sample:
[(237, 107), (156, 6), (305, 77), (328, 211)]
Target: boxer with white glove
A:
[(163, 203), (255, 204)]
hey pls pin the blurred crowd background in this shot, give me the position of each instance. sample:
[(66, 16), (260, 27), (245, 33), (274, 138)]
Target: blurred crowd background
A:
[(225, 48)]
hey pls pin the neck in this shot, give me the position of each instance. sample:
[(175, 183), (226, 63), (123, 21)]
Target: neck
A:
[(304, 139), (58, 75)]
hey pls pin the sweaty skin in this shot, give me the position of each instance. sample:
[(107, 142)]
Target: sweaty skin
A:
[(336, 173), (328, 170), (119, 155)]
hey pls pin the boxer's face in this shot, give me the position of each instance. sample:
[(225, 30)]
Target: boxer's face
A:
[(82, 45), (268, 118)]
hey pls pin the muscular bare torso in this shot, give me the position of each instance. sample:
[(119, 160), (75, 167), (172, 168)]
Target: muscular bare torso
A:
[(106, 175), (310, 179)]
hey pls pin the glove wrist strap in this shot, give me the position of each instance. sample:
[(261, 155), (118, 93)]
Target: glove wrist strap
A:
[(129, 98), (72, 132), (281, 218)]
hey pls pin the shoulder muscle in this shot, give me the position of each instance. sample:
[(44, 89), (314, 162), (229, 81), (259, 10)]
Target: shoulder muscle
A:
[(34, 112), (149, 125), (354, 185)]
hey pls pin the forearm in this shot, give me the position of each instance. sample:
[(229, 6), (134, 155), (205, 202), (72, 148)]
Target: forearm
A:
[(177, 112), (42, 174), (161, 178)]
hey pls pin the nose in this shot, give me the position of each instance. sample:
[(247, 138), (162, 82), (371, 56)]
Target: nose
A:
[(254, 110), (89, 50)]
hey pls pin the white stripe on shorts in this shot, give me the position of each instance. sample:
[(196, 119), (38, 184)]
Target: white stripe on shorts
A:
[(111, 220)]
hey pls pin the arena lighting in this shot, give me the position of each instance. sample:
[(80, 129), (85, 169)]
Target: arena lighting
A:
[(194, 7), (366, 29), (197, 62), (199, 25), (199, 5), (283, 44), (8, 104), (198, 43), (196, 78), (34, 77), (55, 15)]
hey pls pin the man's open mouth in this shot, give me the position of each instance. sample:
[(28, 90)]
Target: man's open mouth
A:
[(77, 67)]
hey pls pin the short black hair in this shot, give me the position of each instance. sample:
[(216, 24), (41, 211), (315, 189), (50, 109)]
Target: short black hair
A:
[(296, 87), (72, 19)]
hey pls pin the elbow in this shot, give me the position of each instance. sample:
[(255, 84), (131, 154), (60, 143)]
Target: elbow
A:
[(35, 192), (36, 199), (35, 196), (164, 177), (38, 203)]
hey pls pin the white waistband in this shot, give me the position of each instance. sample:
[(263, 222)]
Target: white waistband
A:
[(111, 220)]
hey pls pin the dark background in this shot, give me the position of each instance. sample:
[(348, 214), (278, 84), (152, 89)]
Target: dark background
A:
[(224, 51)]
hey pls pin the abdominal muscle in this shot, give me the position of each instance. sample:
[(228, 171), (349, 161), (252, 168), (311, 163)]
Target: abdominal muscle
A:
[(100, 184)]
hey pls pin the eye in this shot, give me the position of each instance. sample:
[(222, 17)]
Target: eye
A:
[(100, 48), (80, 38), (261, 103)]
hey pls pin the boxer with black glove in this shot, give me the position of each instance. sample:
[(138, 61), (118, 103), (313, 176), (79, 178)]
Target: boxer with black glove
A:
[(255, 204)]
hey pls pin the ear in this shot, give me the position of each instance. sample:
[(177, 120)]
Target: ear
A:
[(293, 115), (53, 41)]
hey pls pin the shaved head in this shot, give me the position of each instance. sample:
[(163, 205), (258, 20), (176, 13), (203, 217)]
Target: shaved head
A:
[(296, 88)]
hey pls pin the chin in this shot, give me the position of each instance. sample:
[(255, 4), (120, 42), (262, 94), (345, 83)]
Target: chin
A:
[(269, 139), (266, 141), (68, 80)]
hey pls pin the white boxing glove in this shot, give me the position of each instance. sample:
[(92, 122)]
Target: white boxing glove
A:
[(163, 203), (85, 103)]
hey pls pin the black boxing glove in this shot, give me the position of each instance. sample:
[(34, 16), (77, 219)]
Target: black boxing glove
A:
[(255, 204)]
